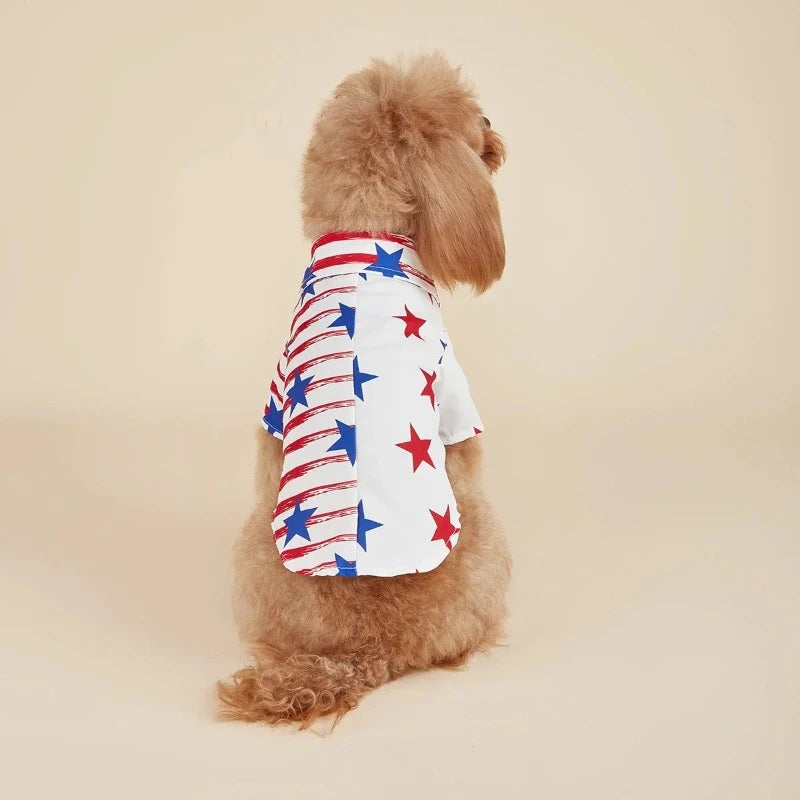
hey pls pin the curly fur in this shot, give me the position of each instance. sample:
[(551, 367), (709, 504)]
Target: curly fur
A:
[(402, 149)]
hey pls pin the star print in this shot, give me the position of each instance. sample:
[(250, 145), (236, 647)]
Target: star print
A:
[(346, 440), (364, 525), (347, 317), (308, 275), (413, 324), (297, 392), (273, 416), (477, 430), (418, 448), (444, 527), (427, 390), (296, 523), (444, 347), (388, 264), (346, 568), (359, 379)]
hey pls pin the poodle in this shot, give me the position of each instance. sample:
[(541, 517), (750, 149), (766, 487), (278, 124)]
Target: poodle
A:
[(407, 568)]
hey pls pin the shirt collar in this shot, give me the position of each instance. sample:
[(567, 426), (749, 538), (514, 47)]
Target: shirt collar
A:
[(386, 254)]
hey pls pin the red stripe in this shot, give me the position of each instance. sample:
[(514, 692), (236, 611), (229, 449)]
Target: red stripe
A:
[(325, 381), (274, 390), (343, 258), (312, 570), (416, 273), (301, 497), (280, 374), (317, 297), (299, 552), (311, 321), (343, 236), (317, 518), (304, 469), (318, 360), (311, 437), (313, 340), (306, 415)]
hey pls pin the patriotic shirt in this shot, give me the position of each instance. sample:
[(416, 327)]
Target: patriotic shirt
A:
[(365, 397)]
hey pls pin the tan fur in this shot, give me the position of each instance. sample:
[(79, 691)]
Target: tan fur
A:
[(406, 150), (402, 150)]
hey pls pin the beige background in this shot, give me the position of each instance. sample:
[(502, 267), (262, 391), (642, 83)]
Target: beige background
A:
[(637, 370)]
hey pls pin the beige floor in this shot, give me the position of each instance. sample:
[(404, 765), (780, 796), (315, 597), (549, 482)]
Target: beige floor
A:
[(652, 648)]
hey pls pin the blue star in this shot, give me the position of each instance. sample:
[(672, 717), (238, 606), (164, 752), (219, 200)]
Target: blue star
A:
[(346, 568), (363, 275), (308, 276), (364, 525), (297, 392), (346, 440), (296, 523), (274, 417), (360, 378), (347, 317), (388, 264), (444, 347)]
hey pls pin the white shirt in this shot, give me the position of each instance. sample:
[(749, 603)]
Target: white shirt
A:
[(366, 395)]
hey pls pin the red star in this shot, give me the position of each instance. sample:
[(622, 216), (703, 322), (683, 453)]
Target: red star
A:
[(413, 324), (418, 449), (444, 527), (430, 377), (477, 430)]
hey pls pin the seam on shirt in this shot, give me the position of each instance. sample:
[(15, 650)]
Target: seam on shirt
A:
[(356, 327)]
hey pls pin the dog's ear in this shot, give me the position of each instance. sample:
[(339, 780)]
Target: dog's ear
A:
[(459, 235)]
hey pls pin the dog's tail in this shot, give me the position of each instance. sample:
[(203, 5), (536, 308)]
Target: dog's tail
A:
[(300, 687)]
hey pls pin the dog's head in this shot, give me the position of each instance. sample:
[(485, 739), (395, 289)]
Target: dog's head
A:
[(407, 149)]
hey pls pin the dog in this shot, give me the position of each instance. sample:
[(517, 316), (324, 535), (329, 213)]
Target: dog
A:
[(373, 554)]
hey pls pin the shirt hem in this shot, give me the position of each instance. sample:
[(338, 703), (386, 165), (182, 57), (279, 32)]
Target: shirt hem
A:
[(428, 566), (270, 429), (461, 436)]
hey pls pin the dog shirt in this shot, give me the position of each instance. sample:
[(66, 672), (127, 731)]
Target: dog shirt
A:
[(365, 397)]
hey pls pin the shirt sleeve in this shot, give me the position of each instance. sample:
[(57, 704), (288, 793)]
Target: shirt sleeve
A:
[(272, 419), (458, 417)]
